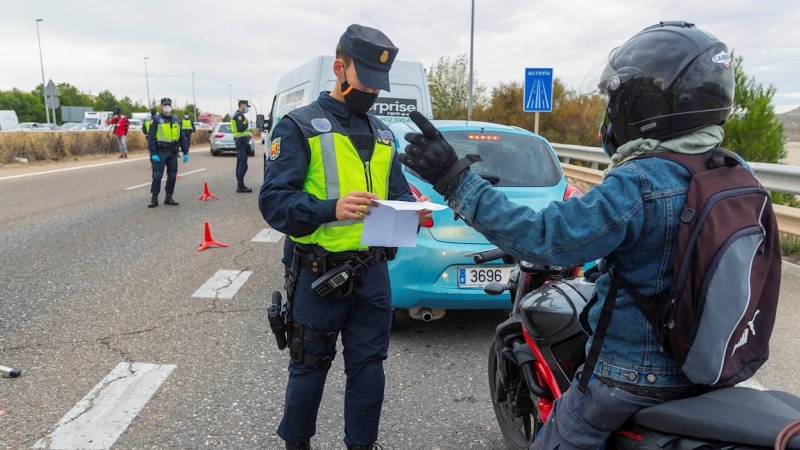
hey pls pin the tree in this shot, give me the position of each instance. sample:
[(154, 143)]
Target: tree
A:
[(226, 118), (129, 107), (752, 130), (448, 82), (105, 101), (28, 107)]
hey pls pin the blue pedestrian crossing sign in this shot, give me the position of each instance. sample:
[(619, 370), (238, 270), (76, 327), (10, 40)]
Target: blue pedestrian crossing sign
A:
[(538, 90)]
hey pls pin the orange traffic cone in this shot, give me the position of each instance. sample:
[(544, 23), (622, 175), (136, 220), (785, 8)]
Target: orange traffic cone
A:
[(208, 241), (206, 194)]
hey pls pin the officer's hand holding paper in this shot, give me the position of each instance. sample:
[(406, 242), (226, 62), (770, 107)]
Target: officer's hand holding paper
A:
[(394, 223)]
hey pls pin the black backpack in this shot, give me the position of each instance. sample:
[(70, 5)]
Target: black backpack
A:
[(718, 317)]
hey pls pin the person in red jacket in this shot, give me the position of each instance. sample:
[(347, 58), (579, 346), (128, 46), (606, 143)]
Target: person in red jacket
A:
[(121, 126)]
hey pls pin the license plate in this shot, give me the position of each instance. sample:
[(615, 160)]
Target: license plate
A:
[(480, 276)]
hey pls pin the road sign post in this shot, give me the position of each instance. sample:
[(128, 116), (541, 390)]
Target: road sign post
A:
[(538, 93)]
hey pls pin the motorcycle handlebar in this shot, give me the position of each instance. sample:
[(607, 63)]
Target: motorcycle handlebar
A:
[(488, 255)]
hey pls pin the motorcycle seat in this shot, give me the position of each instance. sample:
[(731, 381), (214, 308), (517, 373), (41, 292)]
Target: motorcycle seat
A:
[(735, 415)]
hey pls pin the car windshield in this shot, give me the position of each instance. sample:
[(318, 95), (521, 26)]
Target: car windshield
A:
[(23, 126), (224, 128), (509, 159)]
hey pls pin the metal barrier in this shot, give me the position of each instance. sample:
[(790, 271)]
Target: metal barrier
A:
[(774, 177)]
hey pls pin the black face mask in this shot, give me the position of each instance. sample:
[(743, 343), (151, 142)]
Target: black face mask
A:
[(358, 101)]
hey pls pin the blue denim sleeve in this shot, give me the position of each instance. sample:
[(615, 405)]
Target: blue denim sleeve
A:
[(282, 201), (563, 233)]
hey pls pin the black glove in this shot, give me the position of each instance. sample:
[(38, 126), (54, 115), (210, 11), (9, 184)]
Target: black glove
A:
[(430, 156)]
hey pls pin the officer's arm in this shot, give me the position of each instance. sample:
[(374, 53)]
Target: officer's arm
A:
[(398, 185), (144, 129), (193, 128), (563, 233), (151, 137), (241, 127), (184, 140), (282, 202)]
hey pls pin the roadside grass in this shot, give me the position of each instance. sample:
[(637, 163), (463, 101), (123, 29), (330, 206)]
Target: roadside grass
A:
[(57, 146)]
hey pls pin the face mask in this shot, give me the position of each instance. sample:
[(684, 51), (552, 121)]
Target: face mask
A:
[(167, 109), (246, 109), (186, 116), (358, 101)]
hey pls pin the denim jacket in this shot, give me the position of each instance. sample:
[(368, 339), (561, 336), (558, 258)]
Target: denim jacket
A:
[(631, 218)]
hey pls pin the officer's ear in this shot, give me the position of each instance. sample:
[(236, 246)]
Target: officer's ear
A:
[(339, 68)]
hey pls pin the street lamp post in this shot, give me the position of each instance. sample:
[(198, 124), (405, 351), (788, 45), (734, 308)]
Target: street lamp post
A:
[(147, 80), (230, 97), (194, 99), (471, 47), (41, 61), (249, 97)]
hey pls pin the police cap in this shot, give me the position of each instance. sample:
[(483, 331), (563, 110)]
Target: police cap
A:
[(166, 101), (373, 54), (243, 102)]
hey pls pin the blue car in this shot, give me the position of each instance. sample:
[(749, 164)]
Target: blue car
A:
[(435, 276)]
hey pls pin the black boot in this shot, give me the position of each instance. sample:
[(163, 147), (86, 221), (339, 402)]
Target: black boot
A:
[(153, 202), (301, 446), (170, 201), (243, 188)]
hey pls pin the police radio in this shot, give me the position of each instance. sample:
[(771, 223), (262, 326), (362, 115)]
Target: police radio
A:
[(332, 280), (277, 320)]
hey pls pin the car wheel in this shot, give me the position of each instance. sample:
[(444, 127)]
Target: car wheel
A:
[(214, 152)]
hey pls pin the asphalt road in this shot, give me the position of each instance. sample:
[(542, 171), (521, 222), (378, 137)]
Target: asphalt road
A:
[(91, 278)]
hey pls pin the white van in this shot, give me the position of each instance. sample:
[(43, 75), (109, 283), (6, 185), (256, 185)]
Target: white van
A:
[(99, 118), (409, 91), (8, 120)]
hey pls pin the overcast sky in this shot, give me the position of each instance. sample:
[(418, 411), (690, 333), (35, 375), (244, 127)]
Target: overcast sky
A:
[(250, 44)]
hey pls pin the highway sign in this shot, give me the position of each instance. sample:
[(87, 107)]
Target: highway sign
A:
[(538, 94)]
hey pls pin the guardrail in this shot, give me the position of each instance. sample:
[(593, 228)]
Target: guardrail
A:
[(774, 177)]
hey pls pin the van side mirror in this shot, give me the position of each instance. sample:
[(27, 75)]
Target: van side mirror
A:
[(260, 121)]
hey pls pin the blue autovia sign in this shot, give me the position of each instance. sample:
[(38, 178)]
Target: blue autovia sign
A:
[(538, 90)]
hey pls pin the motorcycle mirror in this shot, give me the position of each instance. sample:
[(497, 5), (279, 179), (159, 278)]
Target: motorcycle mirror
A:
[(494, 288)]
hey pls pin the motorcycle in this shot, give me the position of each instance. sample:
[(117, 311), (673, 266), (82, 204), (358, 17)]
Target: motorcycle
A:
[(539, 349)]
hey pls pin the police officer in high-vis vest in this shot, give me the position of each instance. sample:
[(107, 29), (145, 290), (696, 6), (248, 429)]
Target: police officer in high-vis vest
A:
[(327, 163), (148, 121), (187, 128), (165, 140), (241, 137)]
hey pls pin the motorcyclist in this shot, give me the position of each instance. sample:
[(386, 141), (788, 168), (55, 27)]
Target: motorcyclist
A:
[(669, 88)]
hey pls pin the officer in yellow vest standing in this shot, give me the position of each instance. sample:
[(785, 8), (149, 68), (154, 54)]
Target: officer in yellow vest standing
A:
[(165, 140), (241, 137), (187, 128), (327, 163), (149, 121)]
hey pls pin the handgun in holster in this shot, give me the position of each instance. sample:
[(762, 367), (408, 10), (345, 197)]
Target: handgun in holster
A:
[(277, 319)]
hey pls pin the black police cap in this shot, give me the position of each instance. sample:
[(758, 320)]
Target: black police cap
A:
[(372, 52), (166, 101), (244, 102)]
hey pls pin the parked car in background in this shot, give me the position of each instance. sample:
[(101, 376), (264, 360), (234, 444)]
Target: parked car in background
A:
[(202, 126), (31, 126), (68, 125), (135, 124), (84, 126), (49, 126), (222, 140), (436, 275)]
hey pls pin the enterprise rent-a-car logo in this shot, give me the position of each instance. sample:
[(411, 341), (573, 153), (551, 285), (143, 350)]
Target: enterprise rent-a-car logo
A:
[(394, 109)]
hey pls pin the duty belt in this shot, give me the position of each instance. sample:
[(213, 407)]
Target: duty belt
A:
[(167, 145), (321, 263)]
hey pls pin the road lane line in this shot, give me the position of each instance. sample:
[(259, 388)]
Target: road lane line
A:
[(267, 235), (165, 177), (224, 284), (67, 169), (100, 418)]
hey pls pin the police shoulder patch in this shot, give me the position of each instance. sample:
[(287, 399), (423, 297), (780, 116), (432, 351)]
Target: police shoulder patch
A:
[(275, 149), (322, 125), (386, 134)]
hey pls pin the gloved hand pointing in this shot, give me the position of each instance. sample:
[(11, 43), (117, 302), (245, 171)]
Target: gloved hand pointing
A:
[(155, 158), (185, 158), (432, 157)]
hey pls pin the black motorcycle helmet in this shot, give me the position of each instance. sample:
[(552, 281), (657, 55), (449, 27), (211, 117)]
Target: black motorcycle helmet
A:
[(670, 79)]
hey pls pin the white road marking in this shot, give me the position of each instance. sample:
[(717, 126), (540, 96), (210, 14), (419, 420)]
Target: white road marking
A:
[(67, 169), (224, 284), (98, 420), (752, 384), (165, 177), (268, 235)]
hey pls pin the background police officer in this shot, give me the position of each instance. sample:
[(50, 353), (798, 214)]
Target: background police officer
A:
[(241, 136), (164, 140), (305, 197), (149, 120), (187, 128)]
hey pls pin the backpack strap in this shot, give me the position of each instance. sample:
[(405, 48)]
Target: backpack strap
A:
[(599, 333), (713, 159)]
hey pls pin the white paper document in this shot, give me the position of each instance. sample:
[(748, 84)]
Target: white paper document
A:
[(394, 223)]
